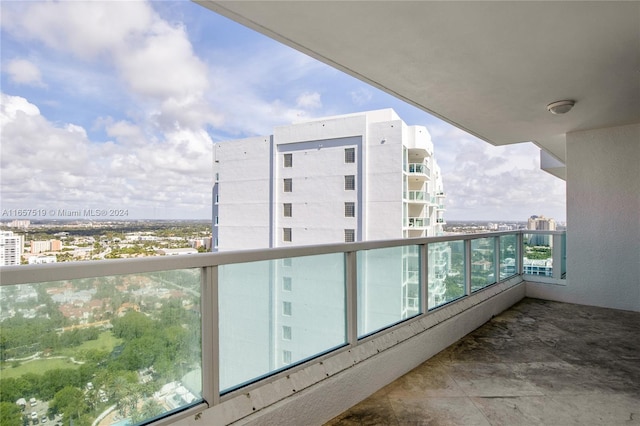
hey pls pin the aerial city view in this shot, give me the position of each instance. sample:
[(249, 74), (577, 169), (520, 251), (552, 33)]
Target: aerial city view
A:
[(160, 139)]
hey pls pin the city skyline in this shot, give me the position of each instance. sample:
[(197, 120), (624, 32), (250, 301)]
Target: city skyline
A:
[(124, 118)]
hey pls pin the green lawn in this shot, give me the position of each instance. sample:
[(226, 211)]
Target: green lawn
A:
[(37, 367), (105, 342)]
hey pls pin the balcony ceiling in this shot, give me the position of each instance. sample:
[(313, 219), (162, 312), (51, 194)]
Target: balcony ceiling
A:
[(489, 68)]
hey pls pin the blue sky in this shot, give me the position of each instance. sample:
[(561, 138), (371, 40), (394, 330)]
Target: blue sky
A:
[(115, 105)]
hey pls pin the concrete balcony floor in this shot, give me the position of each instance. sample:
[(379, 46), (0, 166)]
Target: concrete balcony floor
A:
[(538, 363)]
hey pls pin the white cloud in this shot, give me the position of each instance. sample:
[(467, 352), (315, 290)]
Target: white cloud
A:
[(86, 29), (22, 71), (154, 59), (361, 96), (309, 100), (56, 166), (485, 182)]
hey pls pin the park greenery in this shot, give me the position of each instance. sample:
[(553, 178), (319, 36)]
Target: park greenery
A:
[(51, 358)]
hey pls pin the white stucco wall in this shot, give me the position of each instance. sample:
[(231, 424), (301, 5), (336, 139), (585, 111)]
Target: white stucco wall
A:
[(318, 194), (244, 172), (603, 217)]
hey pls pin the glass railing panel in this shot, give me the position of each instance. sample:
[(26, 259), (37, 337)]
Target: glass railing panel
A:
[(537, 254), (388, 287), (482, 263), (109, 350), (418, 196), (418, 222), (418, 168), (446, 278), (277, 313), (563, 238), (508, 256)]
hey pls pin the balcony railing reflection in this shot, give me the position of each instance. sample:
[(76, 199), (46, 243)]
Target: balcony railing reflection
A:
[(158, 335)]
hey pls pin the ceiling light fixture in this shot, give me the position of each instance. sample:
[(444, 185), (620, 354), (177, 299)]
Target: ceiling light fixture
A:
[(561, 107)]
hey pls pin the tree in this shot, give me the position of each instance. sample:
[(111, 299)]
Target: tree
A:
[(70, 401), (11, 414), (132, 326), (150, 409), (454, 287)]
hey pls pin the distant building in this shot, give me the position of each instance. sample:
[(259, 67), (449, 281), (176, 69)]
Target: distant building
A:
[(176, 252), (11, 248), (543, 267), (45, 246), (19, 224), (39, 260), (541, 223)]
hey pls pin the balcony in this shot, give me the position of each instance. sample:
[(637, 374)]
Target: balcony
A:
[(419, 170), (418, 197), (539, 362), (418, 222), (239, 335)]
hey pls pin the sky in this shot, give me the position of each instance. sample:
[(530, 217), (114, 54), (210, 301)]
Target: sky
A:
[(113, 108)]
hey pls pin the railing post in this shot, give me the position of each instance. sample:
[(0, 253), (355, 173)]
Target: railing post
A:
[(424, 278), (496, 258), (351, 278), (519, 253), (557, 256), (210, 336), (467, 266)]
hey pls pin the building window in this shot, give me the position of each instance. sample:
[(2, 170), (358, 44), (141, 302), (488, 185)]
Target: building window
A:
[(288, 185), (287, 261), (286, 357), (349, 182), (288, 160), (286, 234), (217, 198), (349, 209), (349, 155), (286, 283), (286, 332), (286, 308), (217, 220), (217, 177), (349, 235), (287, 209)]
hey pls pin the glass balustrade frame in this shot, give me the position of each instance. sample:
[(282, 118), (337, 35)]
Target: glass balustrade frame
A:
[(209, 266)]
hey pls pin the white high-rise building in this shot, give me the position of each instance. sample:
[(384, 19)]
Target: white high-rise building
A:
[(355, 177), (11, 248)]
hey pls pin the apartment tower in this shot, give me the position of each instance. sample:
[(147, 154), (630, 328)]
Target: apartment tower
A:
[(355, 177), (11, 248)]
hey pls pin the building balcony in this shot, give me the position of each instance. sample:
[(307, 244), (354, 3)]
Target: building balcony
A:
[(248, 335), (418, 170), (418, 222), (421, 197)]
